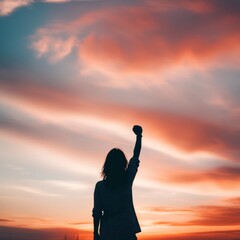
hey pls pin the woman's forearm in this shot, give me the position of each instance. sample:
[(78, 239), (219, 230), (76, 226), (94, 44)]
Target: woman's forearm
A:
[(137, 147), (96, 222)]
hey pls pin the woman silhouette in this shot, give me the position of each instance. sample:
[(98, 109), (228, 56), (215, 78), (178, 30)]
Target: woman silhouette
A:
[(113, 207)]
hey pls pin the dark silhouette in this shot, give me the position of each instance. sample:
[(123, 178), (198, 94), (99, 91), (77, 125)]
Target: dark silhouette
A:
[(113, 212)]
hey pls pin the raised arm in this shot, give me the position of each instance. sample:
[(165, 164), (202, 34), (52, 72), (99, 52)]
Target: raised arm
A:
[(134, 161), (138, 145)]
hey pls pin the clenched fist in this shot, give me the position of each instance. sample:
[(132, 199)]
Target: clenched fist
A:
[(137, 130)]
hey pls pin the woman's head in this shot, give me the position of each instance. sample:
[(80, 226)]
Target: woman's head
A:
[(115, 165)]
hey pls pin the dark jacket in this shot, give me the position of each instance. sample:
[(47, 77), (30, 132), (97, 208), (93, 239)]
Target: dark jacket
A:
[(115, 206)]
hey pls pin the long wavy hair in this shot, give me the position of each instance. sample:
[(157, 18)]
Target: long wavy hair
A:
[(114, 168)]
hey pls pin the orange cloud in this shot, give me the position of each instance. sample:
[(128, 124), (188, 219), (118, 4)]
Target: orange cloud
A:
[(125, 45), (215, 216), (204, 215), (6, 220), (148, 39), (213, 235), (185, 133), (79, 146), (234, 200), (191, 134), (224, 177), (59, 233)]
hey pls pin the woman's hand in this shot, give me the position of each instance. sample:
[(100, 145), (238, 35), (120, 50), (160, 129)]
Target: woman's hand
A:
[(96, 236), (137, 130)]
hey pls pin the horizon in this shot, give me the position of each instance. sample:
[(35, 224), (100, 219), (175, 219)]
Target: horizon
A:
[(75, 76)]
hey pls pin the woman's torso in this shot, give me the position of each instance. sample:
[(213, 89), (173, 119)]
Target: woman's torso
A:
[(119, 217)]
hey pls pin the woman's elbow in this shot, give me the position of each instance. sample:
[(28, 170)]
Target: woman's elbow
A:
[(96, 213)]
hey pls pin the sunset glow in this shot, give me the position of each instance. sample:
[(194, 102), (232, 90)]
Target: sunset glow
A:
[(75, 76)]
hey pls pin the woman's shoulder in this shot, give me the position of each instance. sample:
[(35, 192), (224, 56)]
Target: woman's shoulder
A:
[(100, 183)]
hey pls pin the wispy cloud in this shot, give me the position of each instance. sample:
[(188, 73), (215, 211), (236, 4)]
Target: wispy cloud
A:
[(234, 200), (33, 190), (5, 220), (186, 133), (70, 185), (80, 223), (57, 1), (213, 216), (197, 6), (9, 6), (226, 215), (71, 143), (56, 49), (203, 235), (190, 135), (223, 177)]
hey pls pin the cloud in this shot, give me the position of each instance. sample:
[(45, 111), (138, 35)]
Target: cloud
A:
[(223, 177), (191, 134), (204, 235), (203, 215), (55, 48), (79, 147), (80, 223), (167, 210), (65, 1), (9, 6), (56, 1), (147, 39), (54, 115), (25, 88), (55, 138), (6, 220), (57, 233), (234, 200), (197, 6), (188, 134), (33, 190), (215, 216), (70, 185)]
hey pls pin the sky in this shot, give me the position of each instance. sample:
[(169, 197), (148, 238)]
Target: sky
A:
[(75, 76)]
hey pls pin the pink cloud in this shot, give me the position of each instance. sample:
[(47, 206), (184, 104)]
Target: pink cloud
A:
[(8, 6), (213, 216), (56, 49), (202, 215), (197, 6), (57, 1), (145, 39), (222, 177), (188, 134)]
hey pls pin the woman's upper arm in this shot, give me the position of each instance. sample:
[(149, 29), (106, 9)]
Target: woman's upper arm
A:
[(97, 208), (133, 168)]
